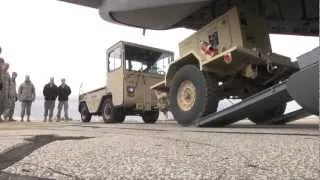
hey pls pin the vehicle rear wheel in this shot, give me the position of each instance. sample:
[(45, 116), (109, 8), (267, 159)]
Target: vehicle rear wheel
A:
[(85, 114), (150, 117), (264, 116), (111, 114), (192, 95)]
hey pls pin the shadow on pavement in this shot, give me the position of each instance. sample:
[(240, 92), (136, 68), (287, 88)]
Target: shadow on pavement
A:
[(4, 175), (17, 153)]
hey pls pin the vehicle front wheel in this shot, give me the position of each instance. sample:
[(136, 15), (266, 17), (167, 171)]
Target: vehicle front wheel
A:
[(111, 114), (192, 95), (150, 117), (85, 114)]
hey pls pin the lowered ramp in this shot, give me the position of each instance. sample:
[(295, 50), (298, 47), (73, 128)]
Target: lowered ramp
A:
[(276, 94)]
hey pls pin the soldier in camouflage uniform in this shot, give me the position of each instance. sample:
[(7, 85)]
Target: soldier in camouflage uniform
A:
[(1, 65), (5, 80), (26, 95), (13, 97), (1, 87)]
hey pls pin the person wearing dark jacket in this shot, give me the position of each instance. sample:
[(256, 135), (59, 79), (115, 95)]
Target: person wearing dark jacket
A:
[(63, 96), (50, 93)]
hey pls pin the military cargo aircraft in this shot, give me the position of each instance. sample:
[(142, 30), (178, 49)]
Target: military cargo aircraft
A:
[(294, 17)]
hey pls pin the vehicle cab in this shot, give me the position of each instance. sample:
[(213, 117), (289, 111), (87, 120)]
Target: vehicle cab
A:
[(131, 70)]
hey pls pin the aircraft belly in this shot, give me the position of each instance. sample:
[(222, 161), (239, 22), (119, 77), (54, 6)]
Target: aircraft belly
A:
[(162, 14)]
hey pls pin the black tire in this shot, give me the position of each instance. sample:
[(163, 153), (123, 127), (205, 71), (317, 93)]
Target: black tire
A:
[(206, 100), (150, 117), (264, 116), (111, 114), (85, 114)]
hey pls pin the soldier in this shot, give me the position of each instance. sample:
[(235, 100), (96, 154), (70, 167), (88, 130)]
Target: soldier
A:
[(50, 93), (5, 81), (63, 96), (13, 97), (1, 87), (26, 95)]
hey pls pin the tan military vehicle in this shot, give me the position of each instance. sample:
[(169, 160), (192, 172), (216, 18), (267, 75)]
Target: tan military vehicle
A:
[(231, 57), (131, 70)]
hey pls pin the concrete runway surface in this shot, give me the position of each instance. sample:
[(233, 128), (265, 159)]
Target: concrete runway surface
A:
[(165, 150)]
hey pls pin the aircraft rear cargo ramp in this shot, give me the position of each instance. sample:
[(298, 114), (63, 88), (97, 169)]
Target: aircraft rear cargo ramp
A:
[(307, 79)]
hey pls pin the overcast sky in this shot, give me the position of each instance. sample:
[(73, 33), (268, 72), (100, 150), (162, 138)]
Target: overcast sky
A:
[(47, 38)]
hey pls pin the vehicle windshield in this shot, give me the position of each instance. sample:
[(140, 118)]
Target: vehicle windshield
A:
[(146, 60)]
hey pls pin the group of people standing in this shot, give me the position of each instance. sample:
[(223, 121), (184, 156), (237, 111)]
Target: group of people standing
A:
[(26, 95), (7, 92), (9, 96), (51, 92)]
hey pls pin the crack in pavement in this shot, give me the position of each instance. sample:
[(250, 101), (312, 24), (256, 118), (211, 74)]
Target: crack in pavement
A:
[(17, 153), (53, 170)]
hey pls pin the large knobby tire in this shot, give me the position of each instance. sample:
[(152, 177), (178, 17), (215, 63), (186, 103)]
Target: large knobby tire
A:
[(150, 117), (111, 114), (192, 95), (266, 115), (85, 114)]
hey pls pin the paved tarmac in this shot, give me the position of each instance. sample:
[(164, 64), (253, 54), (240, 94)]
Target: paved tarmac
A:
[(159, 151)]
